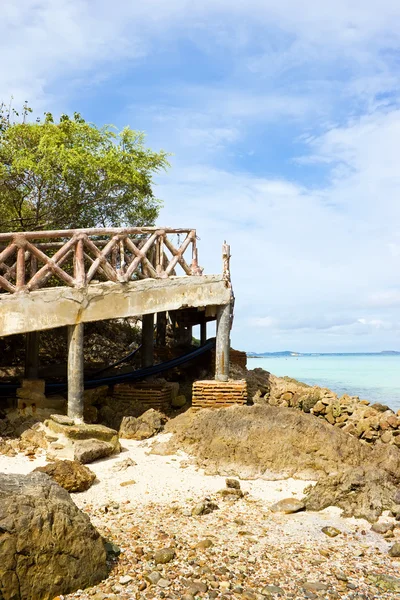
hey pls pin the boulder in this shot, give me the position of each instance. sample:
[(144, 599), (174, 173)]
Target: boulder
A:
[(48, 546), (143, 427), (264, 441), (69, 474), (87, 451), (362, 492)]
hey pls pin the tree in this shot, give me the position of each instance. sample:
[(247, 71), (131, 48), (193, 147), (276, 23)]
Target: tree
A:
[(72, 174)]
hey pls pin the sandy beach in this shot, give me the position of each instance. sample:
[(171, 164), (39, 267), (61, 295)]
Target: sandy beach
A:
[(143, 502)]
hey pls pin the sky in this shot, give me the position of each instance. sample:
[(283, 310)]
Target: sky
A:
[(283, 121)]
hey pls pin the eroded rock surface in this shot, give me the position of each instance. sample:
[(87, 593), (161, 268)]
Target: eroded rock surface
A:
[(264, 441), (363, 492), (143, 427), (69, 474), (47, 545)]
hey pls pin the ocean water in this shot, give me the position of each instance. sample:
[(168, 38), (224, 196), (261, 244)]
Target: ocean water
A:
[(375, 377)]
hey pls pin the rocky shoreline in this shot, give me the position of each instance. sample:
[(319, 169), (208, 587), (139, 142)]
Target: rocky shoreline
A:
[(174, 530)]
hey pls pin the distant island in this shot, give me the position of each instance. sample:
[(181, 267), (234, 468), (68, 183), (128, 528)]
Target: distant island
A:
[(290, 353)]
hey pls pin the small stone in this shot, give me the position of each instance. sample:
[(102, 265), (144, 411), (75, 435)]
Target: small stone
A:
[(203, 544), (187, 597), (204, 508), (330, 531), (153, 577), (224, 586), (112, 549), (129, 482), (197, 587), (394, 551), (165, 555), (163, 583), (315, 586), (288, 506), (125, 579), (341, 576), (233, 484), (382, 527), (272, 589), (142, 586)]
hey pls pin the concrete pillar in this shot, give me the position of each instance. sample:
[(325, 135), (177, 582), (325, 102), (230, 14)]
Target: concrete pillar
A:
[(148, 340), (223, 343), (32, 355), (203, 332), (75, 371), (161, 328)]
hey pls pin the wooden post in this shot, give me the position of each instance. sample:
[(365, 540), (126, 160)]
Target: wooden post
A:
[(203, 332), (223, 343), (161, 328), (75, 371), (147, 340), (32, 355)]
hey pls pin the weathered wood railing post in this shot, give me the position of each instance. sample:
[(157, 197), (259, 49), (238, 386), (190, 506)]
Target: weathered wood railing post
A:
[(147, 340), (75, 371)]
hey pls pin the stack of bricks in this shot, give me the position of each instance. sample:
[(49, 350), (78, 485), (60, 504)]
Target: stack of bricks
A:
[(31, 396), (236, 357), (219, 394), (145, 395)]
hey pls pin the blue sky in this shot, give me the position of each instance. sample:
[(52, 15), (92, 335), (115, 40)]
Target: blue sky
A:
[(284, 123)]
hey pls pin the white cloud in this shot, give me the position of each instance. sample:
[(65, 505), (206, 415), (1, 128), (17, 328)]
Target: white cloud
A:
[(308, 258)]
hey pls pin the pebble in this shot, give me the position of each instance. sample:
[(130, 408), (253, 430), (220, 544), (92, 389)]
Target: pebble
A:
[(330, 531), (394, 551), (288, 506), (165, 555), (272, 589), (232, 483), (125, 579)]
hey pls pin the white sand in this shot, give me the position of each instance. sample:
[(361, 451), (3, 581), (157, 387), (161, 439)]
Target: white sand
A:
[(165, 480)]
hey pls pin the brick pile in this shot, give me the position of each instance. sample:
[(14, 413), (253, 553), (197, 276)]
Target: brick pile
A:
[(145, 395), (236, 357), (218, 394)]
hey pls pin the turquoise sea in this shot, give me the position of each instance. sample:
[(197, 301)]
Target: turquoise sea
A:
[(372, 377)]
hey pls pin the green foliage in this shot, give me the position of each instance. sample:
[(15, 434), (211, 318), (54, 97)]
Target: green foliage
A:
[(71, 174)]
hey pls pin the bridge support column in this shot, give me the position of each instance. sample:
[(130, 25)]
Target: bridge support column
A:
[(161, 328), (148, 340), (223, 343), (32, 355), (203, 332), (75, 371)]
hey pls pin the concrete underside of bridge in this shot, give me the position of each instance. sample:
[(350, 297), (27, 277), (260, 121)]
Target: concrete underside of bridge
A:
[(61, 306)]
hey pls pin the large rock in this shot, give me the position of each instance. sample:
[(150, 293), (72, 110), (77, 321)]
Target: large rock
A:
[(81, 442), (143, 427), (363, 492), (87, 451), (264, 441), (70, 474), (47, 545)]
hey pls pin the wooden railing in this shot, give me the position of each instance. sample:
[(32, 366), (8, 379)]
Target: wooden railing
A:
[(38, 259)]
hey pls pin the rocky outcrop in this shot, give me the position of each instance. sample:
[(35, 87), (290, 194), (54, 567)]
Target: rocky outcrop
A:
[(69, 474), (264, 441), (47, 545), (81, 442), (272, 442), (372, 423), (362, 492), (143, 427)]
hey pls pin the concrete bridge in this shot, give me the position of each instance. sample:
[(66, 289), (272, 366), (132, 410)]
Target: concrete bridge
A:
[(51, 279)]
